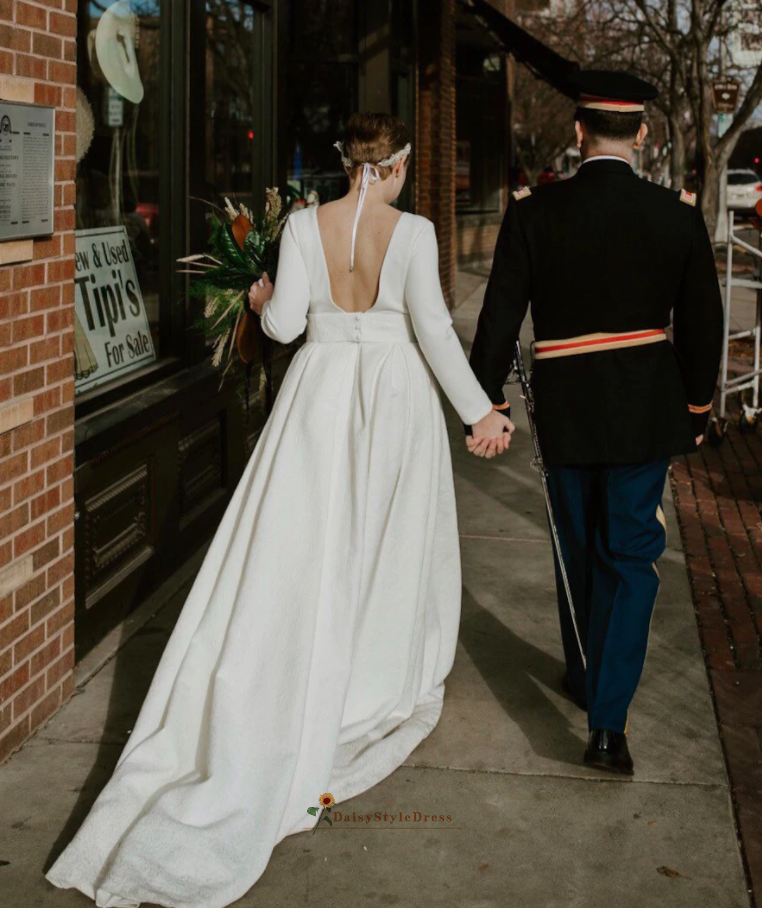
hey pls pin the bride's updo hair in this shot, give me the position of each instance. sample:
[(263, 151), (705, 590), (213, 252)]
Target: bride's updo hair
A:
[(373, 137)]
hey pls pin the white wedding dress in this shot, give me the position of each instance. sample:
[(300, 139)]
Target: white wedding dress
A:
[(311, 653)]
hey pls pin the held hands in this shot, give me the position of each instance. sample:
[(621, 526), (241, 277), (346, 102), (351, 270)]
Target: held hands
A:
[(260, 292), (491, 435)]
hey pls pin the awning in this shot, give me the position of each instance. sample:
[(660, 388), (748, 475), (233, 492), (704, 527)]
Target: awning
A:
[(540, 59)]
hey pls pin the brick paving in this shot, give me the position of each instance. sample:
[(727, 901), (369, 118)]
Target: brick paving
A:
[(718, 493)]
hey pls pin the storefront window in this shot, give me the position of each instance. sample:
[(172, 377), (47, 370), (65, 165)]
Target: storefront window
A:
[(322, 80), (481, 124), (117, 309), (232, 142)]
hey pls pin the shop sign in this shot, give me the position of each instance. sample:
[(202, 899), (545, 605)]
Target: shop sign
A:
[(114, 108), (111, 332), (725, 94), (27, 177)]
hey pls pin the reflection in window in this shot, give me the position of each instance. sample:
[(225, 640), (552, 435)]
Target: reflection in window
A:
[(480, 130), (324, 99), (231, 95), (117, 203), (322, 76)]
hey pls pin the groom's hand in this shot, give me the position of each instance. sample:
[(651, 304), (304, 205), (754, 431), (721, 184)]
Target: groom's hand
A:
[(491, 435)]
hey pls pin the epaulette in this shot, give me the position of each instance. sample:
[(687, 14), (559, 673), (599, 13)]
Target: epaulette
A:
[(688, 197), (522, 193)]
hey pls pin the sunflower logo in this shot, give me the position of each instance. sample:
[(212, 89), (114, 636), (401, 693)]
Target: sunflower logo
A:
[(326, 801)]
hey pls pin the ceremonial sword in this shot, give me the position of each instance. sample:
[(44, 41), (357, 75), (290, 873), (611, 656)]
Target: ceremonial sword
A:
[(538, 464)]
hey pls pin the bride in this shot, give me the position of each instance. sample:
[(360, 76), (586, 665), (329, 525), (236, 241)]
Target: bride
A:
[(311, 653)]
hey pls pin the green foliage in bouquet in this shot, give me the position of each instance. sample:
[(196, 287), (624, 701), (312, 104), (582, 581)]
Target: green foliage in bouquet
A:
[(241, 249)]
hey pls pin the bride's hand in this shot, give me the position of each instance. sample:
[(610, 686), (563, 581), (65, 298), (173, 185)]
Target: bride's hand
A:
[(260, 292), (491, 435)]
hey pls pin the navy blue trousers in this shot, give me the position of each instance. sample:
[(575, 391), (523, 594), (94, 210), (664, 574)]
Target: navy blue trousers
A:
[(612, 532)]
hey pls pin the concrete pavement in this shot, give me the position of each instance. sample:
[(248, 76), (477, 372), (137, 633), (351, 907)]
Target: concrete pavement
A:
[(531, 827)]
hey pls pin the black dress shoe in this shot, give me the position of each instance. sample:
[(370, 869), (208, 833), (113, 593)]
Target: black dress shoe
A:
[(608, 750), (580, 701)]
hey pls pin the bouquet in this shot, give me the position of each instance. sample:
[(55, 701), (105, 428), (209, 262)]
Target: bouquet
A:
[(241, 249)]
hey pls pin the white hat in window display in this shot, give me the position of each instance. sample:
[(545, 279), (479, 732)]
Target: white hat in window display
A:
[(115, 42)]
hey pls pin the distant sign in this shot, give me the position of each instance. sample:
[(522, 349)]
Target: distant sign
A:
[(111, 331), (27, 177), (725, 93)]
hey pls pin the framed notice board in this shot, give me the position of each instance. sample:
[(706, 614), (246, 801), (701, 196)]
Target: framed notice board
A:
[(27, 174)]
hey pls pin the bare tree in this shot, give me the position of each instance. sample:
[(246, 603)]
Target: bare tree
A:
[(677, 45), (680, 49)]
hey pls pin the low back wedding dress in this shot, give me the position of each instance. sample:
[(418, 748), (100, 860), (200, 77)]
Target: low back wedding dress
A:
[(311, 653)]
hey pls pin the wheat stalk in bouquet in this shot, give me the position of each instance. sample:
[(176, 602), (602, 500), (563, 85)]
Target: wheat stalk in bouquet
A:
[(241, 249)]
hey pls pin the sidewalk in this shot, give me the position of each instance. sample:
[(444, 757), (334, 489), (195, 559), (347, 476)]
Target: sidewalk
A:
[(532, 827)]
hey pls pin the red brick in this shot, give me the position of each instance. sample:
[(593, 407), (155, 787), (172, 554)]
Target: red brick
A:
[(60, 668), (28, 539), (26, 328), (28, 486), (45, 656), (31, 16), (28, 696), (28, 276), (13, 629), (14, 520), (49, 348), (30, 591), (46, 707), (60, 569), (59, 319), (47, 46), (14, 738), (62, 73), (27, 644), (26, 382), (45, 297), (14, 304), (47, 605), (49, 499), (13, 359), (16, 466), (60, 469), (46, 554), (50, 95), (61, 520), (64, 25)]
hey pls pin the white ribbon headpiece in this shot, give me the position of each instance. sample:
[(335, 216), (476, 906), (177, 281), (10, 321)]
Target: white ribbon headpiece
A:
[(370, 175)]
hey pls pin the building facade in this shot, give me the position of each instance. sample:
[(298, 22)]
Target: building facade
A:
[(119, 449)]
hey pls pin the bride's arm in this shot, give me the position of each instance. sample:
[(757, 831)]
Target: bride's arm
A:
[(436, 335), (284, 315)]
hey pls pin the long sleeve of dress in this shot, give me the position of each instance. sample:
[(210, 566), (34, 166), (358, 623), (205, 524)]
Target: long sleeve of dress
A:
[(284, 316), (436, 336)]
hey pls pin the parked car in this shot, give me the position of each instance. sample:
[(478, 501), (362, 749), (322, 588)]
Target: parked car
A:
[(744, 189)]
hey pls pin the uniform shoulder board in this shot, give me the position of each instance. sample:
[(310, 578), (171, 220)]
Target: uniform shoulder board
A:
[(688, 197), (522, 193)]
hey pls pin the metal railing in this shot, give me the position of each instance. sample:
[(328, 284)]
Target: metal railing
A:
[(750, 379)]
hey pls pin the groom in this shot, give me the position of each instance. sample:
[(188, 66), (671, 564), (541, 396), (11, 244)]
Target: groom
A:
[(607, 261)]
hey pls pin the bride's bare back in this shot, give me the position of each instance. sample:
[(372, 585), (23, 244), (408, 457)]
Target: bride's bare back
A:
[(355, 291)]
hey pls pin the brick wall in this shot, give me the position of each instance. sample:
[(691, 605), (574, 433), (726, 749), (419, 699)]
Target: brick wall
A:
[(435, 131), (37, 64)]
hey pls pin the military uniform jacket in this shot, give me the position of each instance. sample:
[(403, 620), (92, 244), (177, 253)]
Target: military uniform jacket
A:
[(605, 253)]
